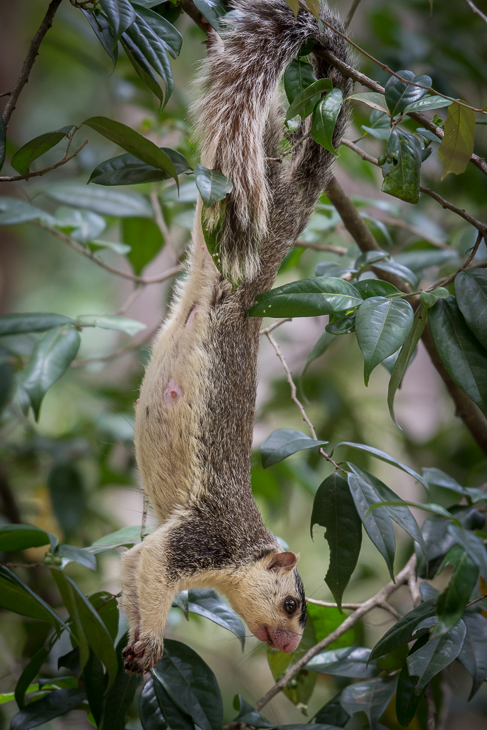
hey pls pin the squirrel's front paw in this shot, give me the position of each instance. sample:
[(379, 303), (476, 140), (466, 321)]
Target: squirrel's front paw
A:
[(142, 655)]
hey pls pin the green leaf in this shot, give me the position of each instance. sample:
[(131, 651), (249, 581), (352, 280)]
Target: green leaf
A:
[(297, 77), (321, 345), (388, 459), (436, 655), (97, 636), (94, 681), (133, 142), (334, 509), (371, 697), (333, 713), (191, 684), (411, 626), (400, 513), (66, 490), (429, 298), (49, 361), (347, 662), (294, 5), (341, 325), (151, 716), (372, 99), (112, 322), (212, 11), (211, 184), (400, 95), (126, 537), (435, 509), (145, 239), (207, 603), (456, 146), (300, 691), (25, 156), (325, 116), (129, 170), (307, 98), (473, 655), (401, 176), (13, 211), (82, 225), (393, 267), (165, 31), (471, 295), (29, 673), (120, 14), (283, 442), (20, 537), (379, 125), (382, 327), (17, 597), (375, 288), (181, 600), (77, 555), (103, 31), (143, 69), (472, 545), (420, 260), (119, 697), (426, 104), (452, 602), (104, 202), (377, 524), (3, 142), (404, 358), (325, 620), (307, 298), (105, 604), (54, 704), (153, 50), (463, 357), (407, 700), (172, 713), (247, 714)]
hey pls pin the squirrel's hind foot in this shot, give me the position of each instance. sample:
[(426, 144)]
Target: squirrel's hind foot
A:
[(142, 655)]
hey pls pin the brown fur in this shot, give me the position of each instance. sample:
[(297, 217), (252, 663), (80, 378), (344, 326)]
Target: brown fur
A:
[(194, 421)]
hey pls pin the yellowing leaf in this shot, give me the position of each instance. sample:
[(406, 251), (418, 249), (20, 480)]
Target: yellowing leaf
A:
[(314, 7), (457, 145), (294, 5)]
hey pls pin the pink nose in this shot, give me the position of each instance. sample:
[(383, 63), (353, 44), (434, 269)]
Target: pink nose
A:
[(278, 638)]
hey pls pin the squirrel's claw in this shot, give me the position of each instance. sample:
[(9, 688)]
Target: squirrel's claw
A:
[(142, 656)]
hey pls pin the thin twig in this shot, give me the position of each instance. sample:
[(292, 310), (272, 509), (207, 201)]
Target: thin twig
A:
[(355, 606), (25, 565), (452, 277), (481, 598), (401, 578), (476, 10), (30, 60), (351, 13), (124, 274), (321, 247), (39, 173), (275, 325)]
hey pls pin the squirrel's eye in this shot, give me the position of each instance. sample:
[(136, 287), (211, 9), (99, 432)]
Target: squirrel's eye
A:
[(290, 605)]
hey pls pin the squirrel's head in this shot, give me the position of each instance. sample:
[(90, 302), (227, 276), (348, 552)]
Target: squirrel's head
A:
[(270, 598)]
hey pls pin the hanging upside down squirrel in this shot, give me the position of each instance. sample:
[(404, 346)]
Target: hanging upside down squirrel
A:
[(194, 419)]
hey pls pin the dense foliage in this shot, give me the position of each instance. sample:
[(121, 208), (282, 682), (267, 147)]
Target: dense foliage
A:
[(393, 271)]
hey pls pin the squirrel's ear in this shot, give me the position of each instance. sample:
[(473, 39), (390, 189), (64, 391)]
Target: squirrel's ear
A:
[(283, 561)]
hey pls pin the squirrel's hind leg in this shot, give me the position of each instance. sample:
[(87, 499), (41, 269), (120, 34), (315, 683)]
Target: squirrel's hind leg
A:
[(146, 574)]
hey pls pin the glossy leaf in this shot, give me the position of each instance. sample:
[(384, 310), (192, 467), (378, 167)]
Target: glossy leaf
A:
[(78, 555), (379, 125), (126, 537), (436, 655), (151, 716), (94, 681), (307, 98), (17, 597), (382, 327), (400, 95), (66, 490), (405, 356), (325, 620), (471, 296), (211, 184), (212, 11), (472, 545), (174, 714), (13, 211), (407, 699), (388, 459), (181, 600), (283, 442), (104, 32), (207, 603), (411, 626), (400, 513), (325, 116), (426, 104), (334, 509), (375, 288), (20, 537), (145, 239), (462, 355), (393, 267), (341, 325), (54, 704), (152, 49), (249, 716), (49, 361), (119, 697), (104, 202), (371, 697), (29, 673), (452, 602), (372, 99), (162, 29), (297, 77), (346, 662), (191, 684), (25, 156), (377, 524), (333, 713), (120, 14), (457, 144), (435, 509), (105, 604), (134, 143), (112, 322), (473, 654), (144, 71), (307, 298), (129, 170), (401, 176), (429, 298)]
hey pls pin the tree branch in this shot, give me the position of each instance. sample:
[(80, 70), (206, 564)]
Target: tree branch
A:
[(30, 60), (476, 10), (15, 178), (351, 13)]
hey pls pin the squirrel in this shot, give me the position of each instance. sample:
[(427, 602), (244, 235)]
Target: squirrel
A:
[(194, 418)]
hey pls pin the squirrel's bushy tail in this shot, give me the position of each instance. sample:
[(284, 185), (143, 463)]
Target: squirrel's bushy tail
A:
[(240, 81)]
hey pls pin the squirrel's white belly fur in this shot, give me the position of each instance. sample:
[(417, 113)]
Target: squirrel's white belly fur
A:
[(194, 418)]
